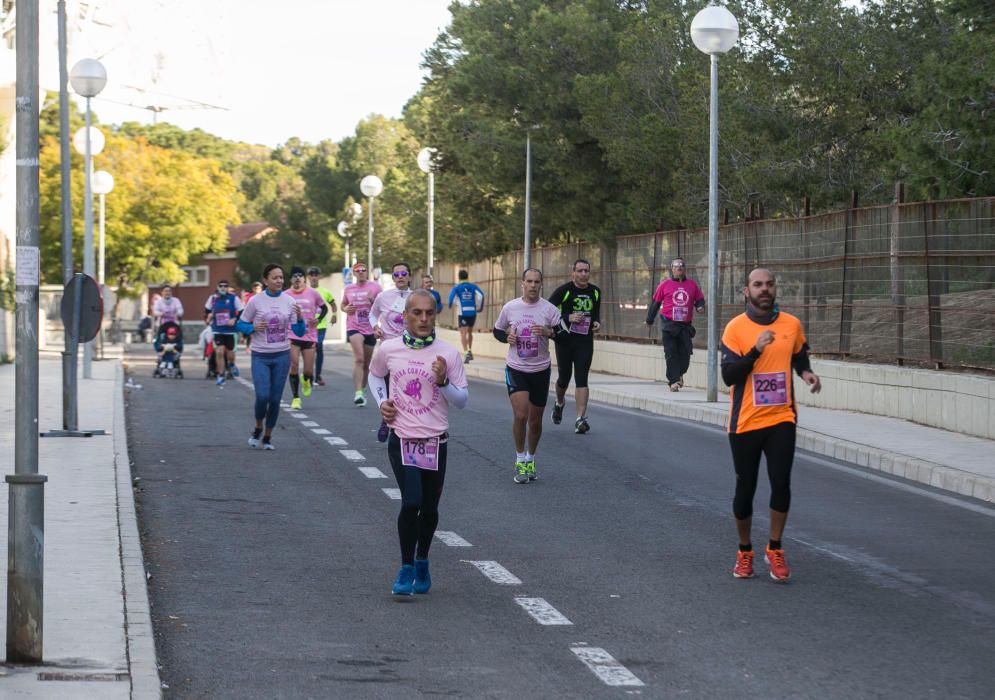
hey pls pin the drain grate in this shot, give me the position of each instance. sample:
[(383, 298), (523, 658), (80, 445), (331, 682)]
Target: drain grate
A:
[(76, 677)]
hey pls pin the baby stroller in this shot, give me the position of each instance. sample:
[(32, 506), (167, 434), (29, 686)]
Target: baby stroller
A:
[(169, 345), (206, 345)]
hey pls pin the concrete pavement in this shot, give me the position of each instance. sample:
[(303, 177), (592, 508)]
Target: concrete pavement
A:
[(98, 637)]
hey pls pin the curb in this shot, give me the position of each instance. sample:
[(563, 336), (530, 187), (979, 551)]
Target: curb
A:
[(142, 664), (922, 471)]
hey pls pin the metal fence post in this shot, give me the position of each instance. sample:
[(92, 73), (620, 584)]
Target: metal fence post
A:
[(846, 298), (897, 274), (934, 289)]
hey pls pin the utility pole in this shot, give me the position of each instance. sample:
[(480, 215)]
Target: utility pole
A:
[(70, 412), (26, 504)]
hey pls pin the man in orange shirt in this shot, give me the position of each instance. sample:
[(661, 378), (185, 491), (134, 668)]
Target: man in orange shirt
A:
[(759, 349)]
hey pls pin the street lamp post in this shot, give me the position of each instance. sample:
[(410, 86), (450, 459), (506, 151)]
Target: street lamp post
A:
[(103, 183), (714, 31), (371, 186), (88, 77), (343, 229), (88, 141), (425, 163), (528, 200)]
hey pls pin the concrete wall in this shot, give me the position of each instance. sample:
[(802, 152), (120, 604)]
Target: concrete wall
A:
[(961, 403)]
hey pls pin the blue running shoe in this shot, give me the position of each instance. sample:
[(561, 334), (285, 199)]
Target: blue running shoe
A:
[(221, 380), (234, 371), (423, 579), (405, 580)]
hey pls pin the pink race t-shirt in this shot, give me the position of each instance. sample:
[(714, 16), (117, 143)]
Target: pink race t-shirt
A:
[(422, 409), (678, 299), (361, 296), (279, 314), (388, 310), (530, 353), (310, 302)]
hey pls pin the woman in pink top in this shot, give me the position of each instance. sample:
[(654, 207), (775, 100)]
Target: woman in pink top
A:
[(427, 376), (357, 299), (313, 309)]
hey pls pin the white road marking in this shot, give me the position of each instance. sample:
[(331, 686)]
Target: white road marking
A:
[(353, 455), (496, 573), (393, 494), (308, 423), (243, 382), (321, 431), (451, 539), (542, 612), (335, 441), (372, 473), (605, 667), (298, 415)]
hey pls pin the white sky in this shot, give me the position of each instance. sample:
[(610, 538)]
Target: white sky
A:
[(307, 68)]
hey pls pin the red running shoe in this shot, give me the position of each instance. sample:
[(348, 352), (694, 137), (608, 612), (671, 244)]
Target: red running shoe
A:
[(778, 567), (744, 565)]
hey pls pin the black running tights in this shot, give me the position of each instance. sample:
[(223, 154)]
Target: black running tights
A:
[(421, 490), (777, 444)]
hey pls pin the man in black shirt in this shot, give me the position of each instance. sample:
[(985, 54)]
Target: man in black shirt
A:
[(579, 303)]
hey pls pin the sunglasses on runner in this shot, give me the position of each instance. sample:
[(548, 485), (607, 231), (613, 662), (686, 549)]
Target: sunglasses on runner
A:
[(400, 273), (359, 269)]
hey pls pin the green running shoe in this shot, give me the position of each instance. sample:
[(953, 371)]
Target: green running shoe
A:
[(521, 472), (531, 467)]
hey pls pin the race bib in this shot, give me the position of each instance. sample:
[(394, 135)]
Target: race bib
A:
[(581, 327), (420, 452), (221, 318), (276, 332), (679, 314), (363, 315), (527, 345), (770, 389)]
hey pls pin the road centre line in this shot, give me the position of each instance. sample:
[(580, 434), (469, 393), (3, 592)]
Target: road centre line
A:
[(372, 473), (353, 455), (542, 612), (605, 667), (299, 415), (335, 441), (309, 424), (393, 494), (321, 431), (496, 573), (451, 539)]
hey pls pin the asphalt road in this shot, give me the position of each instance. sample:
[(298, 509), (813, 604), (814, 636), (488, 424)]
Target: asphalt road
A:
[(271, 571)]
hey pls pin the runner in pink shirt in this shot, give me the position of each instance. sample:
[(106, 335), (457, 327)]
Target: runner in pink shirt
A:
[(387, 317), (677, 298), (527, 324), (428, 378), (313, 309), (357, 299)]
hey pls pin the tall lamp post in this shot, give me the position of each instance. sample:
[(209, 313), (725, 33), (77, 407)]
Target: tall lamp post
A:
[(714, 31), (528, 199), (89, 141), (371, 186), (103, 183), (88, 77), (426, 157), (343, 229)]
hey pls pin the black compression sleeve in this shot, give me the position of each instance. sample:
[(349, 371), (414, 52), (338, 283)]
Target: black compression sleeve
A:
[(596, 311), (651, 312), (800, 361), (322, 313), (502, 336), (736, 368)]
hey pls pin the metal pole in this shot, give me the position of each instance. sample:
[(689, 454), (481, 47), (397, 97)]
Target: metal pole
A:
[(528, 200), (26, 499), (712, 394), (100, 246), (431, 221), (64, 153), (369, 252), (346, 253), (71, 349), (88, 262)]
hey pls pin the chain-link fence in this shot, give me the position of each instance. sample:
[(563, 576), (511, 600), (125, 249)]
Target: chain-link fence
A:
[(909, 283)]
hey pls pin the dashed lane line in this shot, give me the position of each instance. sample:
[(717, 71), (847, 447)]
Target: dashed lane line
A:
[(496, 573), (353, 455), (336, 441), (372, 473), (298, 415), (605, 667), (542, 612), (393, 494), (309, 424), (451, 539), (321, 431)]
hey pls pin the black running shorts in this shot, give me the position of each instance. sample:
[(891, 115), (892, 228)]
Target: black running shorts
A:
[(536, 383), (303, 344), (224, 340), (467, 321), (368, 339)]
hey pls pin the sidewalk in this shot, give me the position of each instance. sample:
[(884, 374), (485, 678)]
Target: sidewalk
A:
[(945, 460), (98, 640)]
